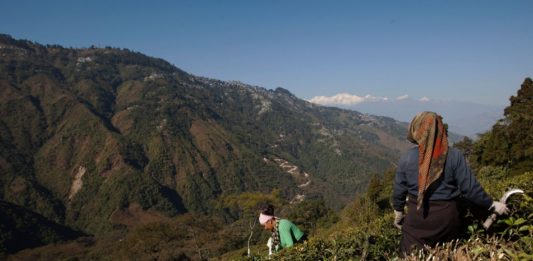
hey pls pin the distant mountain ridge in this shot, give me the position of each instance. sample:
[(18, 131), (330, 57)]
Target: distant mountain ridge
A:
[(88, 134), (464, 118)]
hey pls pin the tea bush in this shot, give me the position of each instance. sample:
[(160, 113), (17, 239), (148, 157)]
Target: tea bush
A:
[(368, 234)]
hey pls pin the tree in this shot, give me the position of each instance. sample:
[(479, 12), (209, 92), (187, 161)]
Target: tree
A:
[(520, 128), (465, 146), (310, 214), (510, 141), (374, 188)]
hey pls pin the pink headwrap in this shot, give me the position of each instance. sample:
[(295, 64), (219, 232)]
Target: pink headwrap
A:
[(264, 218)]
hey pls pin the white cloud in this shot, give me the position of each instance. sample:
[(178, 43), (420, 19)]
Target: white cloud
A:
[(346, 99), (424, 99), (403, 97)]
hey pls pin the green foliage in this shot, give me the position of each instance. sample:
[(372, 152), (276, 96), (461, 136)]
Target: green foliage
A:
[(133, 154), (364, 233), (363, 221), (465, 146), (374, 188), (310, 215), (349, 244), (181, 238), (519, 222), (510, 142), (20, 228), (360, 211), (520, 128), (248, 204)]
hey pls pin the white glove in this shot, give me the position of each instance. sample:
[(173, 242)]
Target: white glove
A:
[(500, 208), (398, 219)]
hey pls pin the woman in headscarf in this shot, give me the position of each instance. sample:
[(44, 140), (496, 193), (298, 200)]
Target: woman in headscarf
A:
[(284, 233), (432, 176)]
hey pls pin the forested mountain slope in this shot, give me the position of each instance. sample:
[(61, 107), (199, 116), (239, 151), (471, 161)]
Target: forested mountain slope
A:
[(87, 135)]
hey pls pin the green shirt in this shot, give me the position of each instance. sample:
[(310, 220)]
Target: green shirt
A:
[(289, 233)]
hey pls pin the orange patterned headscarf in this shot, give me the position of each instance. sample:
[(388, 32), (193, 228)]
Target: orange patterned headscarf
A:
[(427, 130)]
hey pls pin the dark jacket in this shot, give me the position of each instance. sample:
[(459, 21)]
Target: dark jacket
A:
[(457, 179)]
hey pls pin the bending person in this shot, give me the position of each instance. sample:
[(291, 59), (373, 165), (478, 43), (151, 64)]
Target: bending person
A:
[(284, 233), (432, 176)]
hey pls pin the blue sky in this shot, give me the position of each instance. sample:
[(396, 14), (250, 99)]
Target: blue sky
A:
[(476, 51)]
